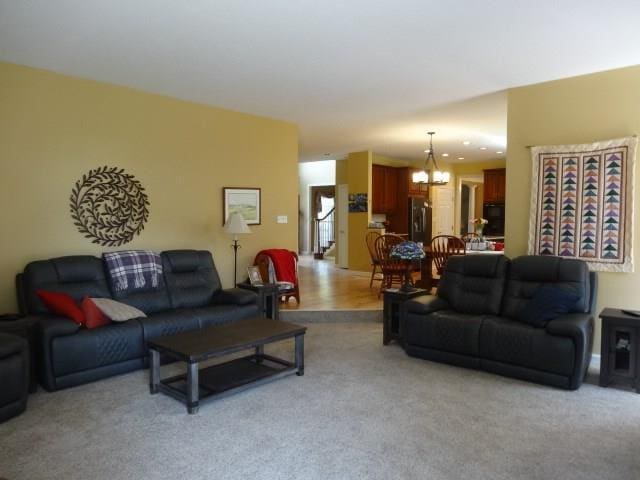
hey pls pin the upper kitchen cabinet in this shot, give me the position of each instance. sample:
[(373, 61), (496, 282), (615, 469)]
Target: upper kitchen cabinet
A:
[(385, 189), (494, 185)]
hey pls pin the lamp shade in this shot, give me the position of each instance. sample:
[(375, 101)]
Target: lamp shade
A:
[(235, 224), (407, 251)]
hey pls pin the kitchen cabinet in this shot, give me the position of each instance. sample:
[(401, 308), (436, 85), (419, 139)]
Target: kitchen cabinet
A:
[(494, 185), (384, 189)]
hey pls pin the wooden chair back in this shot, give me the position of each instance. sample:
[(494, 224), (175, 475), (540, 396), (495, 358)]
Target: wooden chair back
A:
[(393, 269), (444, 246), (370, 239)]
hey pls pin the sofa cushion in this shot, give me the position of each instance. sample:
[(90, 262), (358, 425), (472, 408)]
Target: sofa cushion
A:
[(191, 277), (474, 284), (219, 314), (88, 349), (530, 272), (546, 304), (517, 343), (76, 276), (445, 330), (62, 304), (168, 323)]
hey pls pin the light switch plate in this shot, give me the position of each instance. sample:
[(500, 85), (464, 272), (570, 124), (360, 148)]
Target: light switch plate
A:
[(282, 219)]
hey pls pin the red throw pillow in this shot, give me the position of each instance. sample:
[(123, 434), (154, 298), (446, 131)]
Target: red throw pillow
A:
[(94, 317), (61, 304)]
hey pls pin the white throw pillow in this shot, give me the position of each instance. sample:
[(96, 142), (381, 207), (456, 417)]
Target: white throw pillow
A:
[(117, 311)]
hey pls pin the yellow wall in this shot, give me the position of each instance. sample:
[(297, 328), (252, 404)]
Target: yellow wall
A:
[(576, 110), (477, 168), (359, 180), (378, 159), (54, 128)]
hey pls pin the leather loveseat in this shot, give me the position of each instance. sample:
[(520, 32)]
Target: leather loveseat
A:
[(189, 296), (475, 319)]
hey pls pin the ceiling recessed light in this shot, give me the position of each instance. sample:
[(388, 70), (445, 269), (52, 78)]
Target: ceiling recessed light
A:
[(445, 154), (460, 158), (483, 148), (499, 152), (466, 142)]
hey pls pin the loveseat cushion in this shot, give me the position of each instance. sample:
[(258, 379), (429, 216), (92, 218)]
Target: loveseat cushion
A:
[(219, 314), (474, 284), (88, 349), (445, 330), (77, 276), (529, 272), (191, 277), (518, 343), (170, 322)]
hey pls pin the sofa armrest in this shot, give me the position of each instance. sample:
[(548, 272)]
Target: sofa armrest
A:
[(426, 304), (235, 296), (579, 327), (49, 327), (575, 325)]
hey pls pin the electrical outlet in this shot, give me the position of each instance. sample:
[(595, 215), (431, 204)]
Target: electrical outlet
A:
[(282, 219)]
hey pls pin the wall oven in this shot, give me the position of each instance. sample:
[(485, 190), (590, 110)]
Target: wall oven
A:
[(494, 213)]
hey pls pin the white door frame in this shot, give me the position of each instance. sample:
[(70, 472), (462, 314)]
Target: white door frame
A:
[(476, 178), (342, 237)]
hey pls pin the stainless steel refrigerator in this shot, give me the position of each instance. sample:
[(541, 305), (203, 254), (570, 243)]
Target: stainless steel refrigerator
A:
[(419, 220)]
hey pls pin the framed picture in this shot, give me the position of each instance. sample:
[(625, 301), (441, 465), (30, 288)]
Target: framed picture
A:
[(254, 275), (245, 201)]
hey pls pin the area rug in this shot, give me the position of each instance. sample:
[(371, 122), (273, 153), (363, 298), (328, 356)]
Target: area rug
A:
[(582, 203)]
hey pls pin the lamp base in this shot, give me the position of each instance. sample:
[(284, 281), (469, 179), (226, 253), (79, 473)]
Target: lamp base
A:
[(407, 286)]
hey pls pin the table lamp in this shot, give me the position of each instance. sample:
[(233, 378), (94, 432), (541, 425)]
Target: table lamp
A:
[(236, 225), (410, 252)]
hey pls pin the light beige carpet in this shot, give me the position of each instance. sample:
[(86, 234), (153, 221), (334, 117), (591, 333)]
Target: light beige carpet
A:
[(362, 411)]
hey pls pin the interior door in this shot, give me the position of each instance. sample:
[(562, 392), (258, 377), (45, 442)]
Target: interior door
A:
[(443, 214), (342, 241)]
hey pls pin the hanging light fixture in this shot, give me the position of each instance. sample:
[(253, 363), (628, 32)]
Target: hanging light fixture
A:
[(431, 175)]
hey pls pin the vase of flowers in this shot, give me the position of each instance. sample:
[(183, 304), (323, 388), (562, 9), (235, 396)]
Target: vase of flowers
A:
[(478, 226)]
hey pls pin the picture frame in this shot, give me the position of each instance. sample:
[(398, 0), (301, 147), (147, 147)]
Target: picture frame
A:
[(245, 201), (254, 275)]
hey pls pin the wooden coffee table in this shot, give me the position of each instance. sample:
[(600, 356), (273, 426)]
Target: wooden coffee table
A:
[(235, 375)]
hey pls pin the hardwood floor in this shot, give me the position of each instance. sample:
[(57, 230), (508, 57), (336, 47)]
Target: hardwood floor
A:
[(323, 286)]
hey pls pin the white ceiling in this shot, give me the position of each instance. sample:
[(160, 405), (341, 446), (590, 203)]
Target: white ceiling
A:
[(356, 74)]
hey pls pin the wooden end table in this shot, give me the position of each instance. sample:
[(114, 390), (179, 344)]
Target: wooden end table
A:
[(619, 349), (268, 293), (393, 310)]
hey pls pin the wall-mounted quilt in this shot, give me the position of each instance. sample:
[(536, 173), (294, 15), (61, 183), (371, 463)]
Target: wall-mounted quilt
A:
[(582, 203)]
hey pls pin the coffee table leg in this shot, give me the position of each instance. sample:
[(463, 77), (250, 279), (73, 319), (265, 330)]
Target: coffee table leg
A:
[(259, 353), (154, 371), (192, 387), (300, 354)]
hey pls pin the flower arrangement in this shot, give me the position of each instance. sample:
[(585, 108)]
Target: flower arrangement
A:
[(480, 222), (407, 251)]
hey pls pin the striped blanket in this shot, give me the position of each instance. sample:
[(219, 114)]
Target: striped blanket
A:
[(133, 269)]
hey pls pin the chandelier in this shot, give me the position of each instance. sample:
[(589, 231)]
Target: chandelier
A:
[(431, 175)]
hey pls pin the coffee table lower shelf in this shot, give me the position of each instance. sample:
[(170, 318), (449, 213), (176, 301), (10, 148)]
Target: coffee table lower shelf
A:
[(218, 381)]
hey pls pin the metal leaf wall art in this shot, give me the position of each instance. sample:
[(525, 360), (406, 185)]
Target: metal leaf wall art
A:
[(109, 206)]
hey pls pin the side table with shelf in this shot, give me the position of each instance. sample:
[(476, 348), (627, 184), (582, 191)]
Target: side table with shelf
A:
[(268, 293), (392, 311), (620, 359)]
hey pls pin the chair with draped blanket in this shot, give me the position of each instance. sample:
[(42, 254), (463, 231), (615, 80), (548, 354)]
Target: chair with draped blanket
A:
[(280, 266)]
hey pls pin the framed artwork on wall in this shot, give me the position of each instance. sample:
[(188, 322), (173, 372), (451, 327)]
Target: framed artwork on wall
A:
[(245, 201)]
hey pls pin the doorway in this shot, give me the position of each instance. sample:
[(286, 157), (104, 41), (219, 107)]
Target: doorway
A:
[(322, 219)]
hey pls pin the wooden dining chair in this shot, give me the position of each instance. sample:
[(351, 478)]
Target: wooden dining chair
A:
[(441, 248), (393, 269), (370, 239)]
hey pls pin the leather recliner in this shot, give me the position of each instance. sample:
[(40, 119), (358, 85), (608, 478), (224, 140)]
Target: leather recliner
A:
[(473, 320), (189, 296)]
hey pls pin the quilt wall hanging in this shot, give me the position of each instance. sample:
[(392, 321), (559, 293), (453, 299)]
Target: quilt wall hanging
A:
[(582, 203), (109, 206)]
